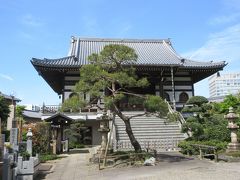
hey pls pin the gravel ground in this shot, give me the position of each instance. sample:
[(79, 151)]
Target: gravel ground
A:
[(171, 166)]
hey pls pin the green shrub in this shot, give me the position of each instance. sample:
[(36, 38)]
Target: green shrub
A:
[(173, 117), (79, 146), (156, 104), (197, 100), (73, 145), (195, 109), (187, 148), (25, 155), (7, 135)]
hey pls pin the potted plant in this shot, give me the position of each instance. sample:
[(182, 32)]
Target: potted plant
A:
[(25, 155), (9, 148)]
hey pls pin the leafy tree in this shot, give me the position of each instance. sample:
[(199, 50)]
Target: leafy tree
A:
[(73, 104), (206, 124), (111, 72), (229, 101), (19, 115), (4, 109), (4, 113), (19, 111), (41, 137)]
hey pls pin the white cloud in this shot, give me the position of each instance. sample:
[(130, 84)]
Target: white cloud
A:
[(225, 19), (220, 46), (7, 77), (224, 45), (31, 21)]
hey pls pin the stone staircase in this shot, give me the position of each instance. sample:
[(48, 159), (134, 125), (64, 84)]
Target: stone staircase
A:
[(151, 132)]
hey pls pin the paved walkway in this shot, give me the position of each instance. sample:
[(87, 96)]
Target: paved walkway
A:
[(170, 167)]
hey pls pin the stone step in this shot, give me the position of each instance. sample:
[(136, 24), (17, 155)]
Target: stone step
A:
[(142, 117), (137, 134), (145, 121), (151, 129), (154, 139), (149, 125)]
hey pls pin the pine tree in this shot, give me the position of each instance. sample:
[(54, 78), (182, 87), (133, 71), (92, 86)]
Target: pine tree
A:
[(111, 71)]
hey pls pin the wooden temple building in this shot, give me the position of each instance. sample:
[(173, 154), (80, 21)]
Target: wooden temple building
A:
[(170, 75)]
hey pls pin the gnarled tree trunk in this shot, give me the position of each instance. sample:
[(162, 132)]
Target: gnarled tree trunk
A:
[(129, 131), (131, 136)]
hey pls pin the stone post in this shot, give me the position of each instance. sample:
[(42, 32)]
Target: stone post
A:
[(104, 129), (14, 138), (29, 141), (54, 146), (233, 127)]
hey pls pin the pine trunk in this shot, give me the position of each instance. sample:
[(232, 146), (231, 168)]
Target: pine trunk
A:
[(131, 136), (126, 120)]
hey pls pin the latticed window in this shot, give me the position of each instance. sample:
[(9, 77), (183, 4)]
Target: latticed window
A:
[(183, 97)]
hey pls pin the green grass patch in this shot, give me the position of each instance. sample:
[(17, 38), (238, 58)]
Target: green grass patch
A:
[(233, 154), (48, 157)]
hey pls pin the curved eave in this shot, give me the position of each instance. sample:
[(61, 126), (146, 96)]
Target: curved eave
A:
[(53, 70), (57, 116), (219, 65), (56, 64)]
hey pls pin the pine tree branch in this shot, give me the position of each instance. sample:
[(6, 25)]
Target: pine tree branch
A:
[(133, 94), (137, 115)]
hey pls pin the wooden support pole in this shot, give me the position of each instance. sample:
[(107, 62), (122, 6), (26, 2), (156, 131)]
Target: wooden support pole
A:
[(215, 155), (201, 153)]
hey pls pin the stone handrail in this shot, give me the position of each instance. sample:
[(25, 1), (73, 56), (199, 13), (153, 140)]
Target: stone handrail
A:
[(171, 111)]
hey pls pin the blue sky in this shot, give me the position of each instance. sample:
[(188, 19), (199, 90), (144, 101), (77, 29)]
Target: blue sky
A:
[(201, 30)]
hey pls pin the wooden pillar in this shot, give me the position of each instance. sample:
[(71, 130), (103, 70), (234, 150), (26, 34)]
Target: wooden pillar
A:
[(54, 141), (59, 140), (173, 90)]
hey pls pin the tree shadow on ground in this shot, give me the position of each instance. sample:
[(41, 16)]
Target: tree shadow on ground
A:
[(43, 171), (169, 157)]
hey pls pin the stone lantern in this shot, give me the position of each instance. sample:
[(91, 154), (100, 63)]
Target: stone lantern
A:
[(233, 127), (104, 129)]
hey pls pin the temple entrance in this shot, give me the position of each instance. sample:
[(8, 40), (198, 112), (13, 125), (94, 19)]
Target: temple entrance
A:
[(59, 142)]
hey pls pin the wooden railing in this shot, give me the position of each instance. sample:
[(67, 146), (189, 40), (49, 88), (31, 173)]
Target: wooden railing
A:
[(205, 150)]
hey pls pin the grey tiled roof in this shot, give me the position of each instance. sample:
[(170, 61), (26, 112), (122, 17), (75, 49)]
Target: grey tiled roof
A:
[(150, 53), (9, 97), (32, 114)]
